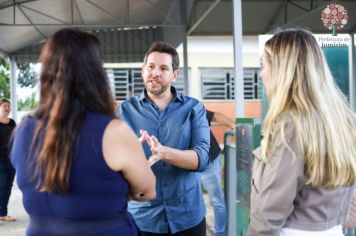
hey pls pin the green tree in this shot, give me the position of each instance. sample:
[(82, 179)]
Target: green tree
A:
[(27, 76), (4, 78), (28, 104)]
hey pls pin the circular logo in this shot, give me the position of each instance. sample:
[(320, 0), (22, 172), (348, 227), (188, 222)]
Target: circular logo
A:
[(334, 16)]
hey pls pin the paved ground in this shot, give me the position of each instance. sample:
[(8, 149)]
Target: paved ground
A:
[(18, 227)]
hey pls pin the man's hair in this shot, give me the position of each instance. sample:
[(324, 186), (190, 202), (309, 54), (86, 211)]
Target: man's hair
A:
[(163, 47)]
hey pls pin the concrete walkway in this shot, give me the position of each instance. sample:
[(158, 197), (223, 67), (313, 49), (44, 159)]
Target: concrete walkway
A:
[(18, 227), (16, 210)]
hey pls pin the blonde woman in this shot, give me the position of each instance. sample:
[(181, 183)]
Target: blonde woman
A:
[(304, 172)]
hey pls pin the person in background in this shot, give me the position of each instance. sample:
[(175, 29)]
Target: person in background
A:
[(175, 135), (304, 172), (211, 177), (7, 171), (76, 163)]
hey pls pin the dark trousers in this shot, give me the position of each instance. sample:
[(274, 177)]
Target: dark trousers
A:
[(7, 175), (198, 230)]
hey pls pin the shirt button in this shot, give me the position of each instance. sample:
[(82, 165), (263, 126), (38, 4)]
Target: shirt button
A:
[(163, 164)]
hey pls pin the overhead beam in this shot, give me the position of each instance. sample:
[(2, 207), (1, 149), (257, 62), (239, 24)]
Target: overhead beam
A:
[(206, 13), (79, 13), (275, 16), (128, 11), (283, 9), (46, 15), (14, 14), (3, 53), (160, 11), (174, 6), (94, 25), (29, 20), (298, 6), (305, 15), (14, 4), (72, 11), (104, 10)]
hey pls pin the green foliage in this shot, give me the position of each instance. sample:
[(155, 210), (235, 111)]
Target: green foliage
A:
[(27, 77), (4, 78), (27, 104)]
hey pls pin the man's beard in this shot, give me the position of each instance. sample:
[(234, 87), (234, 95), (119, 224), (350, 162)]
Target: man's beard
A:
[(159, 91)]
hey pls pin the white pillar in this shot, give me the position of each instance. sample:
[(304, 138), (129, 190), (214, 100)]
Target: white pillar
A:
[(352, 77), (239, 112), (13, 84), (183, 8), (195, 85), (239, 83)]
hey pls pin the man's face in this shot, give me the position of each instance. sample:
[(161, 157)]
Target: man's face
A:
[(158, 74)]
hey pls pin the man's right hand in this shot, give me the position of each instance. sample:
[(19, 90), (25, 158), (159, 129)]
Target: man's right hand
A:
[(144, 137)]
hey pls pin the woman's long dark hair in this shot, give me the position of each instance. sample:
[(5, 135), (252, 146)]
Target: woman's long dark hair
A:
[(72, 82)]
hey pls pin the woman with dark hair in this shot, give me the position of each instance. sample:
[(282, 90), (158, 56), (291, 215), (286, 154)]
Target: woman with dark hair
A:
[(7, 171), (76, 163)]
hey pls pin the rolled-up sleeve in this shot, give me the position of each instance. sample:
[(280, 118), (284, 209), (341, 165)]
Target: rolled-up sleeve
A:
[(200, 139)]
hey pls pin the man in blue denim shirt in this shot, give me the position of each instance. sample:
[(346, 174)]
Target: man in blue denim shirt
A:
[(175, 135)]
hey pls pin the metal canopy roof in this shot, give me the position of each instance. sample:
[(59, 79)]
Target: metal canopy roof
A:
[(264, 16), (127, 27)]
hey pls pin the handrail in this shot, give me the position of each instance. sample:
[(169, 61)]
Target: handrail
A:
[(230, 183)]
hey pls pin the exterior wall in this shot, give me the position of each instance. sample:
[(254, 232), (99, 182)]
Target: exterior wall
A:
[(215, 52), (252, 110)]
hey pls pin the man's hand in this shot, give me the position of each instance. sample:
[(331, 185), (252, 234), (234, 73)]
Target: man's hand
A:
[(158, 151), (156, 148), (145, 137)]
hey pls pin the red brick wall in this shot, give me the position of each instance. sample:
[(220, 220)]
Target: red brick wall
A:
[(252, 110)]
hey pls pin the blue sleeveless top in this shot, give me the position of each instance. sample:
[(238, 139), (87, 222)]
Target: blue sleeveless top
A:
[(96, 193)]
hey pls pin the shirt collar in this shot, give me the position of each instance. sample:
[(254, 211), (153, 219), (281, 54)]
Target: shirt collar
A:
[(176, 95)]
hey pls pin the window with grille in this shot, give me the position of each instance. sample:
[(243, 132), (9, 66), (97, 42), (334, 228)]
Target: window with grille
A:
[(127, 82), (218, 83)]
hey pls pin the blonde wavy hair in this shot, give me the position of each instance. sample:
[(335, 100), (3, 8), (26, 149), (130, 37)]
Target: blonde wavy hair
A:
[(303, 89)]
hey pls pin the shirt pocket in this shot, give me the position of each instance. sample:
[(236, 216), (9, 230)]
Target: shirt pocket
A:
[(182, 134)]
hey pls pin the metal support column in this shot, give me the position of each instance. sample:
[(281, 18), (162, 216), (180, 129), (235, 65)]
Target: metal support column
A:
[(239, 83), (239, 108), (352, 77), (230, 183), (185, 46), (185, 59), (13, 83)]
